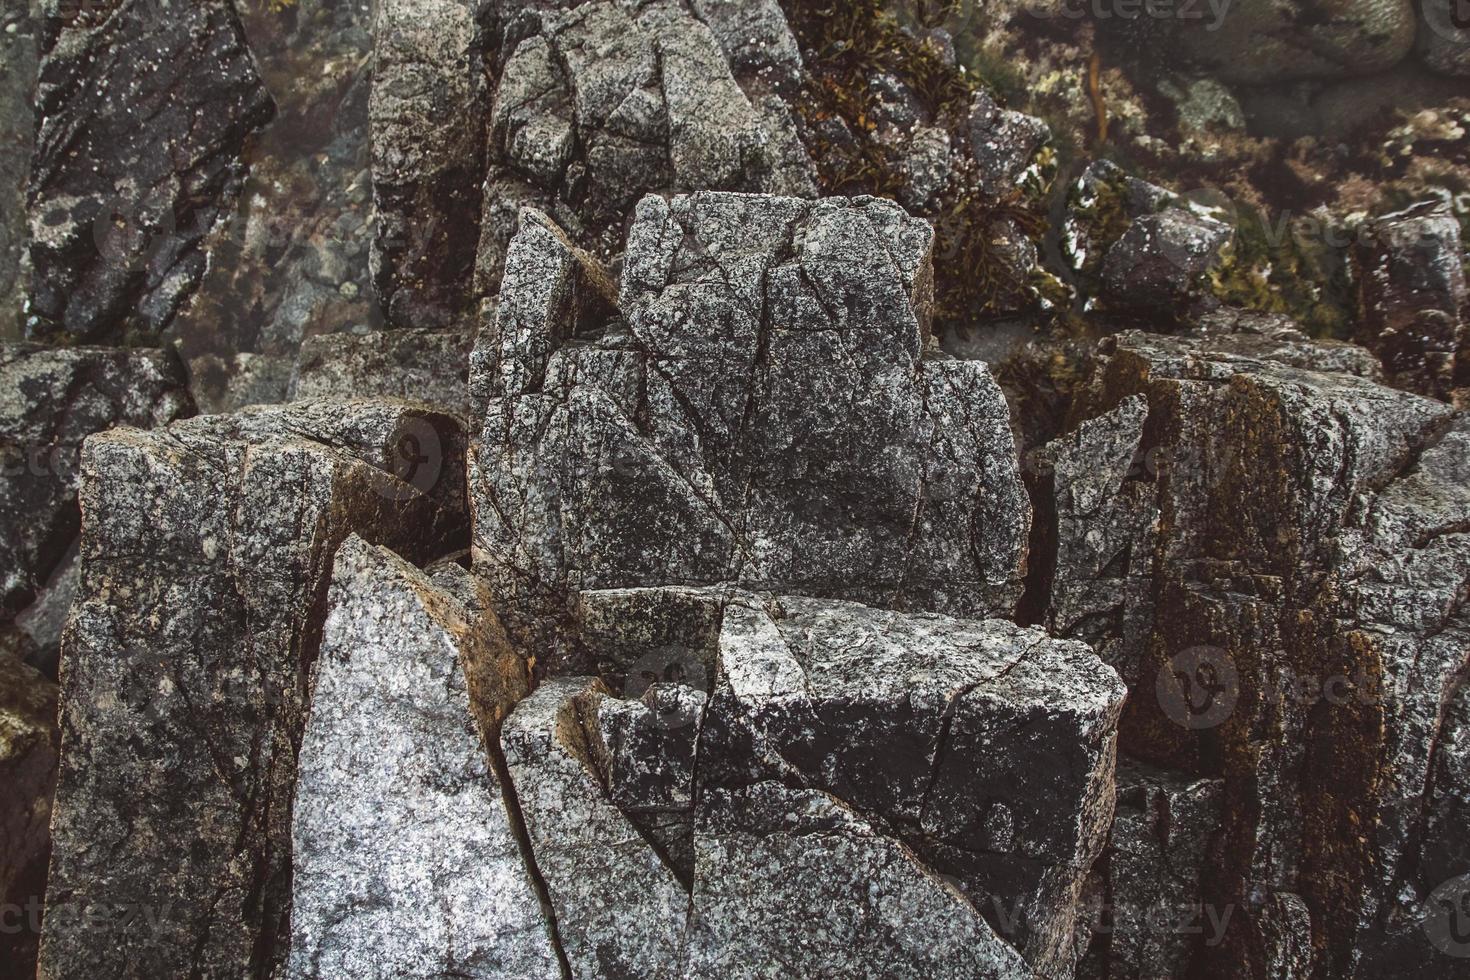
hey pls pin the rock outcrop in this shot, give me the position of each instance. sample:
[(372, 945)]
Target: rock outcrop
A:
[(764, 408), (205, 559)]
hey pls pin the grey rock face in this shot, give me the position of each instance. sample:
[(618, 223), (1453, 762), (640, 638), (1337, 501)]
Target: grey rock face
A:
[(1288, 617), (28, 756), (987, 747), (430, 366), (406, 863), (206, 550), (764, 411), (795, 880), (1161, 259), (601, 103), (50, 400), (143, 114), (1415, 309), (427, 111), (619, 909), (1003, 141)]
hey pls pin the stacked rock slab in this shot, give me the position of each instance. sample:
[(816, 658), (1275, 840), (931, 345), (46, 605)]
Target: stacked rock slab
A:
[(205, 554), (50, 400), (406, 861), (1291, 613), (765, 409), (952, 774), (144, 108), (601, 103)]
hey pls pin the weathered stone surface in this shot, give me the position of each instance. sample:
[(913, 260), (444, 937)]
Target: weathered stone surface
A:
[(619, 909), (427, 113), (1003, 141), (1102, 204), (28, 752), (1162, 836), (50, 400), (1307, 624), (19, 58), (430, 366), (144, 108), (765, 411), (796, 882), (1161, 260), (206, 550), (986, 746), (1415, 309), (1444, 37), (601, 103), (406, 862)]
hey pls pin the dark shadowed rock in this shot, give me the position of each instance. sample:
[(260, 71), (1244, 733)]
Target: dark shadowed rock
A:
[(1162, 836), (1303, 627), (406, 861), (1415, 310), (618, 906), (1161, 260), (797, 882), (144, 107), (427, 113), (1003, 141), (50, 400), (206, 552), (19, 54), (28, 752), (765, 411)]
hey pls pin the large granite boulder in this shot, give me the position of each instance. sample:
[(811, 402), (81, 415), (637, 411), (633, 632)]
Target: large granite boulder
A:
[(206, 552), (766, 409), (406, 861), (976, 753), (50, 400), (143, 111), (618, 907), (1282, 581)]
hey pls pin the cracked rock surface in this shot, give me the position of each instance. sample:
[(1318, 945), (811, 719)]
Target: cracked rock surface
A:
[(425, 876), (197, 619), (679, 442)]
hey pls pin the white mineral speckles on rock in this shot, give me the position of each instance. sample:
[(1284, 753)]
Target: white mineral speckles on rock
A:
[(406, 863)]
